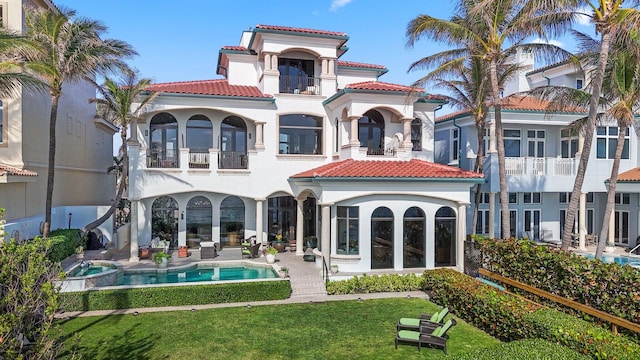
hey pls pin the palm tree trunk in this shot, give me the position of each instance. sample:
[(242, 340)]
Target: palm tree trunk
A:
[(504, 197), (611, 194), (588, 140), (53, 117), (478, 168)]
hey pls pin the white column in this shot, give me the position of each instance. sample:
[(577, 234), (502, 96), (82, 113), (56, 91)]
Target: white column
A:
[(461, 236), (259, 136), (133, 241), (326, 233), (325, 64), (267, 62), (274, 62), (331, 69), (299, 226), (492, 215), (259, 225), (492, 137), (582, 220), (354, 141), (183, 162), (406, 133)]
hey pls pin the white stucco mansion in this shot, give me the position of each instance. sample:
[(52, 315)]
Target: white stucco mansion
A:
[(294, 141)]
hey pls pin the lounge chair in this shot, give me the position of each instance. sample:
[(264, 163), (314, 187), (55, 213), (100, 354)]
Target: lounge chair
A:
[(430, 321), (436, 338), (251, 251)]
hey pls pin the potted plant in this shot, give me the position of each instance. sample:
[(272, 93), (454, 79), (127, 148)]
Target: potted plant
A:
[(285, 271), (182, 252), (271, 254), (334, 268), (279, 244), (161, 258)]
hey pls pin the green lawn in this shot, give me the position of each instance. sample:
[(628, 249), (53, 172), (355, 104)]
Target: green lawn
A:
[(331, 330)]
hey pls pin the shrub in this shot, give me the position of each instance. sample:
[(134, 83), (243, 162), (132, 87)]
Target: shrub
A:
[(612, 288), (174, 295), (530, 349), (376, 283), (63, 243)]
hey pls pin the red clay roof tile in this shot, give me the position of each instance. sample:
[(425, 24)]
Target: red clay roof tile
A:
[(382, 86), (12, 170), (360, 65), (632, 175), (417, 169), (208, 87), (300, 30), (234, 48)]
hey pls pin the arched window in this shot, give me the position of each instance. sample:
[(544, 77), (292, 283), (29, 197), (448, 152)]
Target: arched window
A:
[(163, 152), (445, 236), (371, 132), (300, 134), (231, 221), (233, 144), (199, 220), (164, 219), (382, 238), (416, 135), (414, 238)]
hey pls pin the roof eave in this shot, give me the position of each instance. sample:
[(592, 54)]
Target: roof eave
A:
[(224, 97), (387, 178)]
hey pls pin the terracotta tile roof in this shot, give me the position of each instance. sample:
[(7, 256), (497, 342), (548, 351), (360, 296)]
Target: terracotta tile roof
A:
[(12, 170), (519, 103), (384, 169), (632, 175), (550, 66), (235, 48), (382, 86), (360, 65), (300, 30), (208, 87)]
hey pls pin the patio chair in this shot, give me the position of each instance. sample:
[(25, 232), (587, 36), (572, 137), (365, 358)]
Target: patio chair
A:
[(430, 321), (251, 251), (436, 338)]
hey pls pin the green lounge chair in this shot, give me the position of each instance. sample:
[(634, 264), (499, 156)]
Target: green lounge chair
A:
[(436, 338), (430, 321)]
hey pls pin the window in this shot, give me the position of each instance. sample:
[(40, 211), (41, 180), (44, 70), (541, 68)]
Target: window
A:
[(535, 143), (455, 144), (511, 143), (163, 152), (607, 140), (233, 144), (513, 221), (531, 198), (232, 221), (416, 135), (300, 134), (414, 238), (199, 221), (568, 143), (487, 141), (337, 136), (484, 198), (621, 227), (579, 84), (482, 225), (513, 198), (622, 199), (532, 223), (590, 197), (382, 238), (199, 133), (296, 76), (565, 197), (348, 230), (371, 132)]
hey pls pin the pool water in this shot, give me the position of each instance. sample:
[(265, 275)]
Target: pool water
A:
[(195, 275), (89, 270), (622, 260)]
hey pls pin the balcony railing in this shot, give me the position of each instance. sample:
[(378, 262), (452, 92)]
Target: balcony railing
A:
[(233, 160), (539, 166), (381, 152), (164, 159), (198, 159), (305, 85)]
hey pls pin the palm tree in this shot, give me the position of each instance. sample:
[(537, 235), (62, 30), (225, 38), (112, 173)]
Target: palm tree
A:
[(65, 48), (612, 22), (123, 103), (498, 30)]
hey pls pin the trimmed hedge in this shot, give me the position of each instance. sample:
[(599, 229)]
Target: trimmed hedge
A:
[(510, 317), (174, 296), (376, 283), (530, 349), (612, 288), (63, 243)]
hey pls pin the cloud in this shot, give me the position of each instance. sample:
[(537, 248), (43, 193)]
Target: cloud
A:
[(552, 42), (337, 4)]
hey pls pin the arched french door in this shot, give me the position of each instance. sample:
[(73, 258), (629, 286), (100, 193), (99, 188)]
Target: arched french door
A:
[(199, 220), (382, 238), (445, 237), (371, 132), (163, 150), (199, 140), (233, 143), (282, 217), (414, 238), (164, 220), (231, 221)]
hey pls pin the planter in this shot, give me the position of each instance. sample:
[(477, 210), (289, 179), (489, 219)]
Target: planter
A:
[(334, 269), (183, 252), (271, 258), (163, 263), (279, 245)]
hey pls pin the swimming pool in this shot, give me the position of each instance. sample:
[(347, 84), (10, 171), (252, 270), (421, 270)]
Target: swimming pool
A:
[(89, 270), (198, 274), (622, 260)]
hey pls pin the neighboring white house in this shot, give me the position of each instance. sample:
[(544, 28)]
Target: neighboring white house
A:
[(541, 162), (295, 142), (84, 151)]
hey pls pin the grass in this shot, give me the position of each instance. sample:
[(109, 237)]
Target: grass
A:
[(331, 330)]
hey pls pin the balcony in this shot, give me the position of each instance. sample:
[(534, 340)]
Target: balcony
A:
[(381, 152), (198, 159), (233, 160), (162, 159), (539, 166), (304, 85)]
